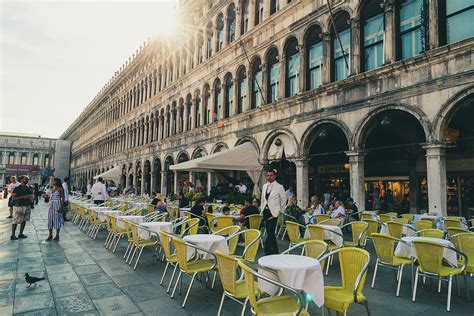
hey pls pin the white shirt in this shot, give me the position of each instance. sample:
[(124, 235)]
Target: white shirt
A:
[(317, 210), (99, 192), (276, 200), (12, 186), (242, 188), (66, 192), (89, 189), (289, 194), (339, 210)]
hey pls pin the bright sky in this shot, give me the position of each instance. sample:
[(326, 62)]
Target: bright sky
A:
[(56, 55)]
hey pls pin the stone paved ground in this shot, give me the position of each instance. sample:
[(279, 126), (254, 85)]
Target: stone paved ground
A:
[(83, 278)]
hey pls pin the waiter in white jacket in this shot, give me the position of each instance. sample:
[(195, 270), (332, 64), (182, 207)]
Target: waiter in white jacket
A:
[(99, 192), (273, 203)]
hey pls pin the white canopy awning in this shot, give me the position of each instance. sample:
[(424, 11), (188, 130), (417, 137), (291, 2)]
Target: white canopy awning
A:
[(243, 158), (113, 174)]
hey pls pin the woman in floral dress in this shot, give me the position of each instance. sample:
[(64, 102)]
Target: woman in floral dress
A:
[(56, 203)]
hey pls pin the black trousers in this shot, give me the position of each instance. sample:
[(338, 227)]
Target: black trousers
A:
[(271, 246)]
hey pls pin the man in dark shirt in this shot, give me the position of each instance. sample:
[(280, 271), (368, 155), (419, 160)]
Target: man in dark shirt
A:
[(23, 196), (183, 202), (248, 209), (197, 211)]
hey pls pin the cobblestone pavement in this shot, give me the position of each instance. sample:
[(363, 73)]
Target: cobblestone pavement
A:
[(83, 278)]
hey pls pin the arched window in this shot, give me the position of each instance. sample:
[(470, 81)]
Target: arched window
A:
[(229, 96), (220, 32), (189, 104), (199, 50), (273, 76), (257, 83), (181, 115), (170, 71), (459, 17), (373, 29), (258, 11), (218, 110), (314, 55), (210, 40), (242, 89), (231, 23), (244, 23), (198, 106), (292, 68), (410, 37), (162, 125), (178, 65), (341, 47), (206, 105), (183, 59), (174, 118), (24, 159), (274, 6)]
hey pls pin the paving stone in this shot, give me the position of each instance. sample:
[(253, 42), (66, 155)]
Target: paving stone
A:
[(89, 269), (55, 261), (35, 254), (7, 275), (103, 291), (22, 288), (117, 305), (8, 285), (117, 270), (68, 289), (59, 268), (41, 312), (128, 280), (33, 302), (6, 310), (74, 304), (164, 306), (61, 278), (6, 298), (96, 278), (81, 261)]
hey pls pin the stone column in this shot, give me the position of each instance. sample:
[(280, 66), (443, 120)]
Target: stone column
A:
[(163, 182), (165, 131), (264, 86), (185, 117), (195, 57), (389, 41), (238, 20), (152, 183), (226, 33), (203, 110), (355, 60), (302, 182), (142, 184), (209, 184), (326, 57), (223, 96), (211, 104), (135, 181), (282, 79), (248, 99), (251, 9), (127, 181), (436, 175), (235, 97), (433, 24), (215, 39), (302, 70), (175, 182), (357, 178), (192, 177), (193, 114), (266, 9)]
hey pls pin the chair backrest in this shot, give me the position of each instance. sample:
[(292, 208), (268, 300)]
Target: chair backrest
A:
[(408, 216), (359, 232), (166, 244), (384, 247), (452, 222), (316, 232), (134, 229), (251, 237), (315, 248), (465, 243), (193, 226), (255, 221), (431, 232), (373, 226), (366, 216), (423, 224), (231, 242), (181, 250), (250, 283), (331, 221), (354, 263), (210, 217), (293, 231), (455, 230), (385, 218), (220, 222), (395, 229), (321, 217), (401, 220), (227, 266), (429, 255), (392, 214)]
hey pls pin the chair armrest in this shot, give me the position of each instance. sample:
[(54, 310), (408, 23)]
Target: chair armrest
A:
[(203, 250)]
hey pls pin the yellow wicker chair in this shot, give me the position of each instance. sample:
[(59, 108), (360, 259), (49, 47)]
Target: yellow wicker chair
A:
[(321, 217), (385, 218), (316, 232), (384, 247), (396, 229), (230, 231), (401, 220), (359, 234), (373, 227), (331, 221), (423, 224), (251, 238), (276, 305), (311, 248), (431, 232), (138, 243), (220, 222), (354, 263), (234, 287), (392, 214), (408, 216), (293, 230), (255, 221), (191, 268), (452, 221), (117, 233), (430, 259), (465, 243), (366, 216), (171, 258), (451, 231), (96, 225)]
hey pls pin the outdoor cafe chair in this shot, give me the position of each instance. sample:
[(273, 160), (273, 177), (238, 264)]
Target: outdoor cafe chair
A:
[(397, 229), (385, 218), (359, 234), (117, 233), (408, 216), (219, 222), (464, 242), (193, 267), (430, 232), (311, 248), (230, 231), (423, 224), (373, 227), (292, 304), (254, 220), (401, 220), (170, 257), (331, 222), (385, 247), (354, 263), (138, 243), (453, 221), (251, 244), (317, 232), (451, 231), (430, 259), (321, 217), (293, 230)]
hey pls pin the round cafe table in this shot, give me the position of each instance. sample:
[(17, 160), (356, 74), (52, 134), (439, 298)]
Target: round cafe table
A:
[(153, 228), (135, 219), (208, 242), (101, 214), (299, 272)]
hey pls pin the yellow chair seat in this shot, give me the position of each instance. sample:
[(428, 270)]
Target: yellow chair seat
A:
[(332, 247), (144, 243), (398, 261), (349, 243), (120, 231), (199, 266), (445, 271), (338, 299), (278, 305)]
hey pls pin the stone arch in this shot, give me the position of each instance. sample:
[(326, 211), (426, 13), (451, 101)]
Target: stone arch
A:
[(218, 146), (308, 135), (309, 26), (447, 110), (268, 141), (269, 51), (340, 10), (363, 129), (249, 139), (198, 150), (180, 154)]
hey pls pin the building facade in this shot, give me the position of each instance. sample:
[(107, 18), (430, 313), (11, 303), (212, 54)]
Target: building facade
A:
[(347, 97), (23, 154)]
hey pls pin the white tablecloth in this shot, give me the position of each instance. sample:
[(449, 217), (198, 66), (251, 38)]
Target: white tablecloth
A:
[(208, 242), (330, 233), (408, 250), (298, 272), (155, 228), (101, 214), (183, 210), (405, 230), (135, 219)]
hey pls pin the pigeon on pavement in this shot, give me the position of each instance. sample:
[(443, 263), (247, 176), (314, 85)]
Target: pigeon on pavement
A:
[(32, 280)]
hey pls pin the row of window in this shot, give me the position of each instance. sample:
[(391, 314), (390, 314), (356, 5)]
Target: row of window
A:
[(11, 159), (217, 101)]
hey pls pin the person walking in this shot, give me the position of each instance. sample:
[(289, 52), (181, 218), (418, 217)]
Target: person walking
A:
[(56, 203), (99, 192), (13, 184), (88, 192), (65, 207), (273, 203), (23, 196)]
